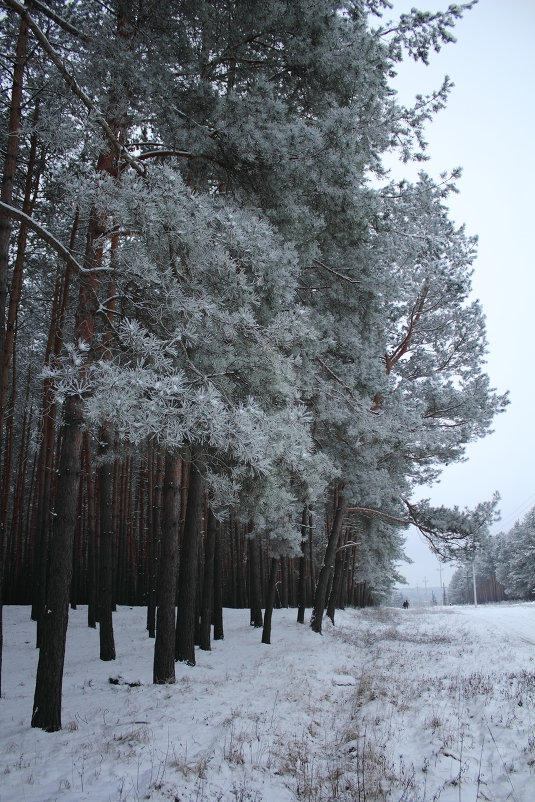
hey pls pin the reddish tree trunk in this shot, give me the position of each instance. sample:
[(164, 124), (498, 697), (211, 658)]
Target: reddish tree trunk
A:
[(154, 500), (14, 553), (328, 565), (284, 583), (254, 582), (105, 600), (6, 191), (302, 587), (47, 698), (6, 195), (92, 544), (164, 645), (208, 583), (46, 489), (336, 587), (187, 578), (48, 684), (218, 589), (270, 601)]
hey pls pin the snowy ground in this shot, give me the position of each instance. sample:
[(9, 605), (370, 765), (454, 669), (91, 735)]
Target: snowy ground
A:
[(417, 705)]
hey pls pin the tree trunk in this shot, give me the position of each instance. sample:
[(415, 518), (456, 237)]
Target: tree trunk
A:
[(155, 501), (336, 587), (91, 584), (328, 564), (311, 562), (107, 544), (47, 451), (164, 645), (13, 555), (242, 564), (218, 589), (270, 601), (6, 195), (47, 698), (78, 534), (284, 583), (254, 582), (302, 587), (6, 192), (187, 577), (8, 359), (208, 583)]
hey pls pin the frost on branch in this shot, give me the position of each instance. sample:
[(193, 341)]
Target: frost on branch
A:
[(454, 534)]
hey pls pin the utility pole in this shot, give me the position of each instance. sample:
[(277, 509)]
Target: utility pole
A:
[(442, 588)]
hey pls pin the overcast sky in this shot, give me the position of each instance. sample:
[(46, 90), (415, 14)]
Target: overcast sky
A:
[(488, 130)]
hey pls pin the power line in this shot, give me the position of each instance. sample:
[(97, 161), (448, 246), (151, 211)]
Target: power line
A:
[(518, 512)]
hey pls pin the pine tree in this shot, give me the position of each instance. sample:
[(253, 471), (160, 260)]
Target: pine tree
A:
[(513, 554), (267, 313)]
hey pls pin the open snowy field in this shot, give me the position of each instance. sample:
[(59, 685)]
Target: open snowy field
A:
[(424, 704)]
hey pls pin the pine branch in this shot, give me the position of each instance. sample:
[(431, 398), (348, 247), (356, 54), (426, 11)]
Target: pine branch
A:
[(73, 84), (337, 379), (62, 23), (154, 154), (383, 515), (414, 317), (50, 239), (441, 541), (349, 545)]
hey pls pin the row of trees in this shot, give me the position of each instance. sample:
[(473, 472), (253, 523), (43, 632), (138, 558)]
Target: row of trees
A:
[(224, 330), (504, 566), (136, 512)]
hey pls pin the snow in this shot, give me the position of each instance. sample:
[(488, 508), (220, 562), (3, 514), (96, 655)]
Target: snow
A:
[(389, 704)]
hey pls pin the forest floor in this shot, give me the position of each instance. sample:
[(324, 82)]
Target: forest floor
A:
[(389, 704)]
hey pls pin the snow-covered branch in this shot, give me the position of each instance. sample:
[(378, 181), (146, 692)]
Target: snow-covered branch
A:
[(50, 239)]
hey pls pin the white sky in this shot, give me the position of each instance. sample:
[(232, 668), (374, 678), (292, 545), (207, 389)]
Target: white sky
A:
[(487, 129)]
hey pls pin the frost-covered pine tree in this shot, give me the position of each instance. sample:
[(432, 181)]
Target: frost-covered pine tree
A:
[(514, 554), (248, 299)]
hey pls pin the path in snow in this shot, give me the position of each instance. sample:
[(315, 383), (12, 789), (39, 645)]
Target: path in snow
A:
[(509, 619), (419, 705)]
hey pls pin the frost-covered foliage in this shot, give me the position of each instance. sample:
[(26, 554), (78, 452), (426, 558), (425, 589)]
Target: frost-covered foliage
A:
[(268, 311), (460, 589), (378, 545), (515, 558), (205, 355), (483, 565), (508, 557), (419, 32), (455, 534)]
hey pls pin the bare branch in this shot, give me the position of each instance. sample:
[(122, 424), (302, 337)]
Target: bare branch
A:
[(336, 273), (384, 515), (337, 379)]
